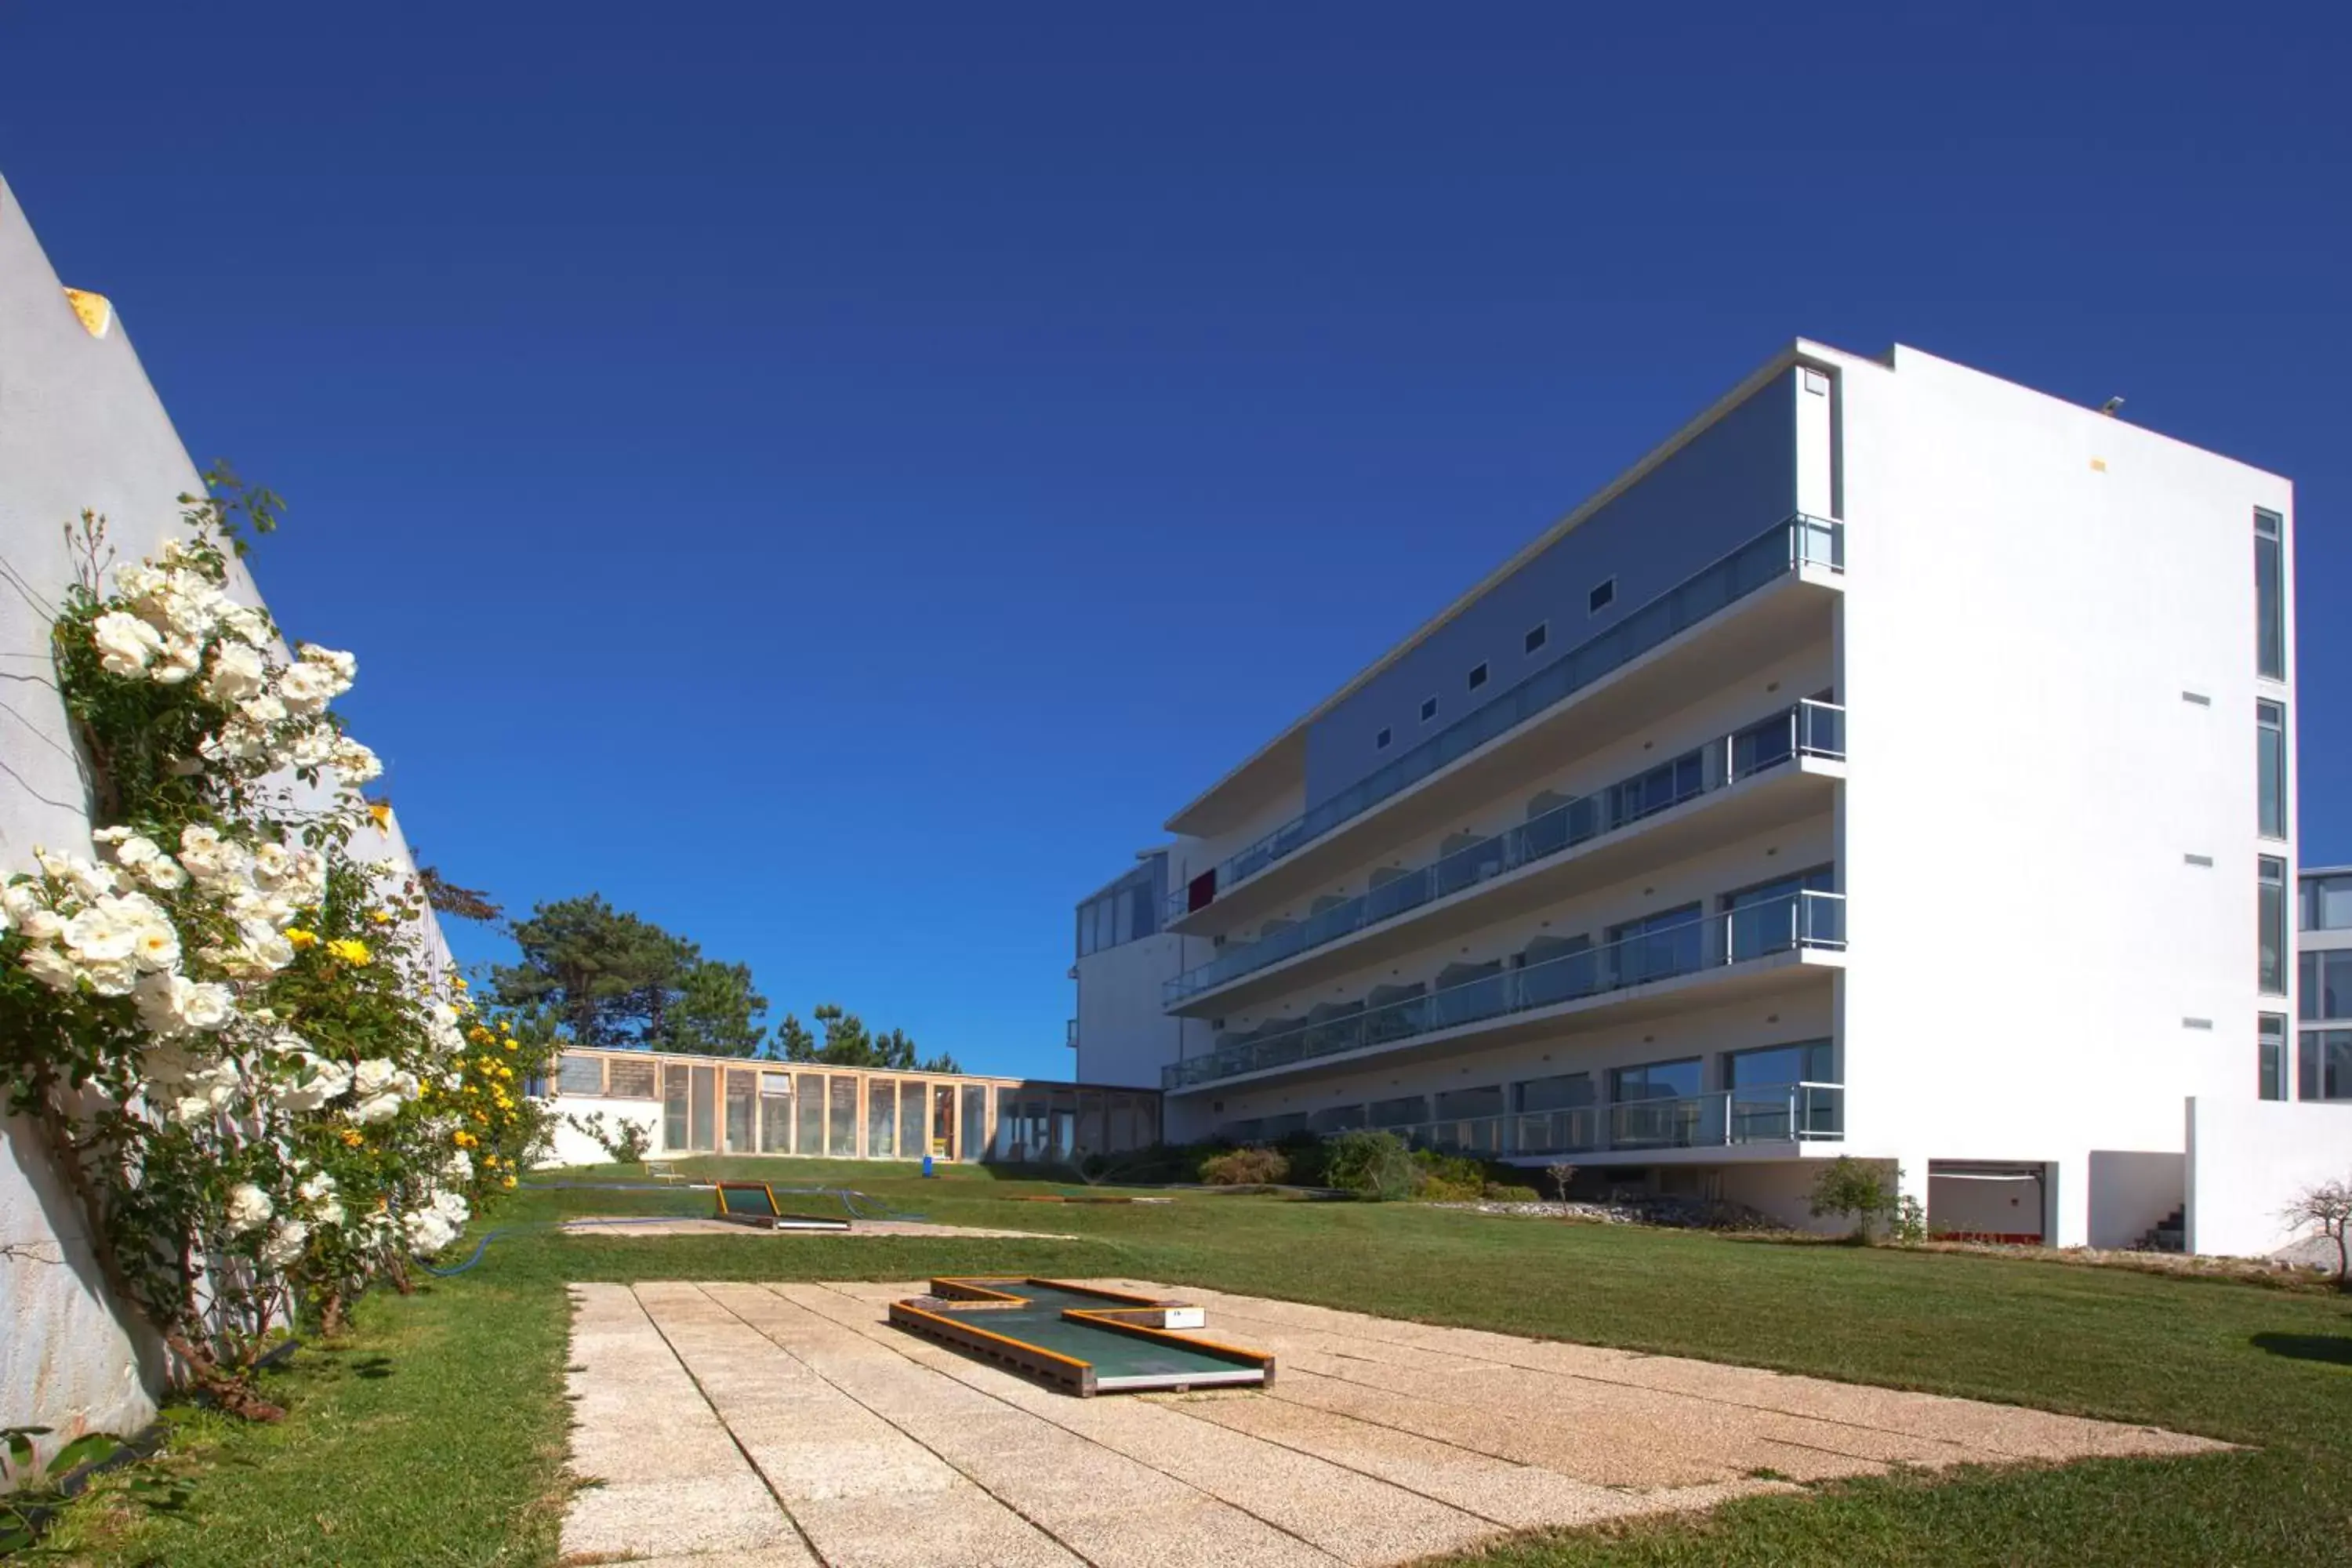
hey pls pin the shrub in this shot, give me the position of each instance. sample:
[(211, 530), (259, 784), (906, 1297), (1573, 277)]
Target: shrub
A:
[(1909, 1223), (1447, 1178), (1245, 1168), (625, 1142), (1510, 1192), (1561, 1176), (1856, 1190), (1369, 1163), (1308, 1156)]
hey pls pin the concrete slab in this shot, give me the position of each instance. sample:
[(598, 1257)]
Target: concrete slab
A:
[(745, 1426)]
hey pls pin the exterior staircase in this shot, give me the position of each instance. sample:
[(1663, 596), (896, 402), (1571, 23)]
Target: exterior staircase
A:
[(2170, 1234)]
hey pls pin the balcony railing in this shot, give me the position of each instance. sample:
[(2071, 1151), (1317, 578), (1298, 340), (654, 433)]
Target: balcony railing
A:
[(1719, 1118), (1789, 922), (1800, 541), (1807, 729)]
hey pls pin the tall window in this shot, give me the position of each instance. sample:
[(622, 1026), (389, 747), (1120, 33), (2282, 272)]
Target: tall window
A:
[(2270, 594), (2323, 985), (2272, 1081), (2324, 1064), (2272, 876), (2269, 739), (2327, 903)]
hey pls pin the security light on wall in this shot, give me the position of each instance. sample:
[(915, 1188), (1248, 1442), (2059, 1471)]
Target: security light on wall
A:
[(2111, 406)]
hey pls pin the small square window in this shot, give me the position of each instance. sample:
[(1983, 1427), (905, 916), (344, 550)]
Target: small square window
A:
[(1428, 708), (1478, 677), (1381, 741), (1603, 596), (1538, 635)]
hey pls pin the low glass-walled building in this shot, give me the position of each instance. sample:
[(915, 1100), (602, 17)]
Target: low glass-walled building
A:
[(731, 1105)]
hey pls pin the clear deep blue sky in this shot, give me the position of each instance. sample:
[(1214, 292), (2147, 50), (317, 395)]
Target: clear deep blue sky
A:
[(833, 486)]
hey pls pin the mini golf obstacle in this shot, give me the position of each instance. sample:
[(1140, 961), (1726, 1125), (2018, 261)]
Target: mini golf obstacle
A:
[(1078, 1339), (755, 1204)]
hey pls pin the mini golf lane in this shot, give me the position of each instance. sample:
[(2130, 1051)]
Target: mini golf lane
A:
[(1082, 1340)]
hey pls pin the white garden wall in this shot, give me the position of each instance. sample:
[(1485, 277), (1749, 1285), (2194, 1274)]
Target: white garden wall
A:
[(2248, 1159)]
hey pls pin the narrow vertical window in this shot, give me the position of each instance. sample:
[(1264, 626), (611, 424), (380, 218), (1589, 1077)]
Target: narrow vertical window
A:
[(2270, 594), (2270, 772), (2273, 978), (1478, 676), (2271, 1078)]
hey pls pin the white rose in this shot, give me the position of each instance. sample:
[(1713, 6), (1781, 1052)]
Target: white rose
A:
[(99, 935), (156, 947), (113, 977), (285, 1244), (427, 1232), (42, 925), (329, 1213), (163, 876), (262, 711), (135, 851), (267, 949), (22, 900), (249, 1208), (375, 1109), (373, 1076), (125, 643), (306, 688), (89, 878), (179, 662), (50, 967), (346, 668), (459, 1167), (204, 1004), (356, 763), (246, 624), (272, 863), (316, 1186), (238, 672)]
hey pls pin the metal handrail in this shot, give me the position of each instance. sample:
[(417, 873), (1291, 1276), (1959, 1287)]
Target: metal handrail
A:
[(1794, 543), (1723, 1118), (1807, 919), (1808, 729)]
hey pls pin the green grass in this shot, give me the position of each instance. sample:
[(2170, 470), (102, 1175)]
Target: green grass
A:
[(435, 1436)]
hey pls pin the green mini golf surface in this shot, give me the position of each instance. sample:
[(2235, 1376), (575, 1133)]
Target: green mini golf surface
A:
[(1118, 1360)]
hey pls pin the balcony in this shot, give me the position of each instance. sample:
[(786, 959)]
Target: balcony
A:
[(1569, 838), (1720, 1119), (1648, 972), (1788, 549)]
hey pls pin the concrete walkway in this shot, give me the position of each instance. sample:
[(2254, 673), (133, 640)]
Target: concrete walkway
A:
[(739, 1425), (626, 1226)]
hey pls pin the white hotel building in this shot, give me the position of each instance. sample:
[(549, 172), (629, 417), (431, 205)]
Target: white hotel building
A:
[(1895, 762)]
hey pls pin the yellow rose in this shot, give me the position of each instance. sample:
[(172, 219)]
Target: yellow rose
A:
[(351, 950), (380, 917), (301, 938), (459, 982), (508, 1182)]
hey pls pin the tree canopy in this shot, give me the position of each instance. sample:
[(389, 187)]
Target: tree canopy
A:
[(605, 977)]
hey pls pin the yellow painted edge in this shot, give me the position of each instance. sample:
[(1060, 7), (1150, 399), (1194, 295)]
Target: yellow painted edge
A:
[(96, 310)]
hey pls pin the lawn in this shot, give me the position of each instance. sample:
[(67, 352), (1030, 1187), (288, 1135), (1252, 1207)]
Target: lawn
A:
[(435, 1435)]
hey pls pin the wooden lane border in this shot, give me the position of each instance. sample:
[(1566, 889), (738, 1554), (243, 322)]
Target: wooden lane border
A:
[(986, 1287), (1063, 1372)]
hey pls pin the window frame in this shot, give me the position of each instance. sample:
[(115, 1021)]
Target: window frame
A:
[(1478, 674), (2269, 582), (1429, 709), (2270, 811), (2271, 1067), (1384, 739), (2272, 925), (1602, 594), (1537, 636)]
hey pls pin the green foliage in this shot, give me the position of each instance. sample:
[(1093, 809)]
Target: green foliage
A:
[(35, 1492), (1511, 1192), (1909, 1221), (1447, 1178), (1251, 1167), (849, 1044), (618, 981), (1856, 1190), (1371, 1164)]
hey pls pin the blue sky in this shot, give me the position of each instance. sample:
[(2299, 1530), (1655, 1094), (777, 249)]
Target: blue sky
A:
[(762, 455)]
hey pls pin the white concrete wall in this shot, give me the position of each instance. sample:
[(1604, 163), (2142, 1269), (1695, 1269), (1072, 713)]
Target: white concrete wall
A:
[(1125, 1035), (2248, 1159), (2031, 588), (2131, 1192), (79, 427), (574, 1147)]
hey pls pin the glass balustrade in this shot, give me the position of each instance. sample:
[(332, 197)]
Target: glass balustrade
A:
[(1805, 728), (1802, 920), (1800, 541), (1779, 1113)]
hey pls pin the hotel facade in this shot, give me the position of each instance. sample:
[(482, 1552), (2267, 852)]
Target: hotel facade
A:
[(1896, 763)]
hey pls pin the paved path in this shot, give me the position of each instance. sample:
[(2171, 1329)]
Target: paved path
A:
[(740, 1425)]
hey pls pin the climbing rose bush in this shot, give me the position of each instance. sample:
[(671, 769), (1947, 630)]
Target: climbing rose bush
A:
[(244, 1053)]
